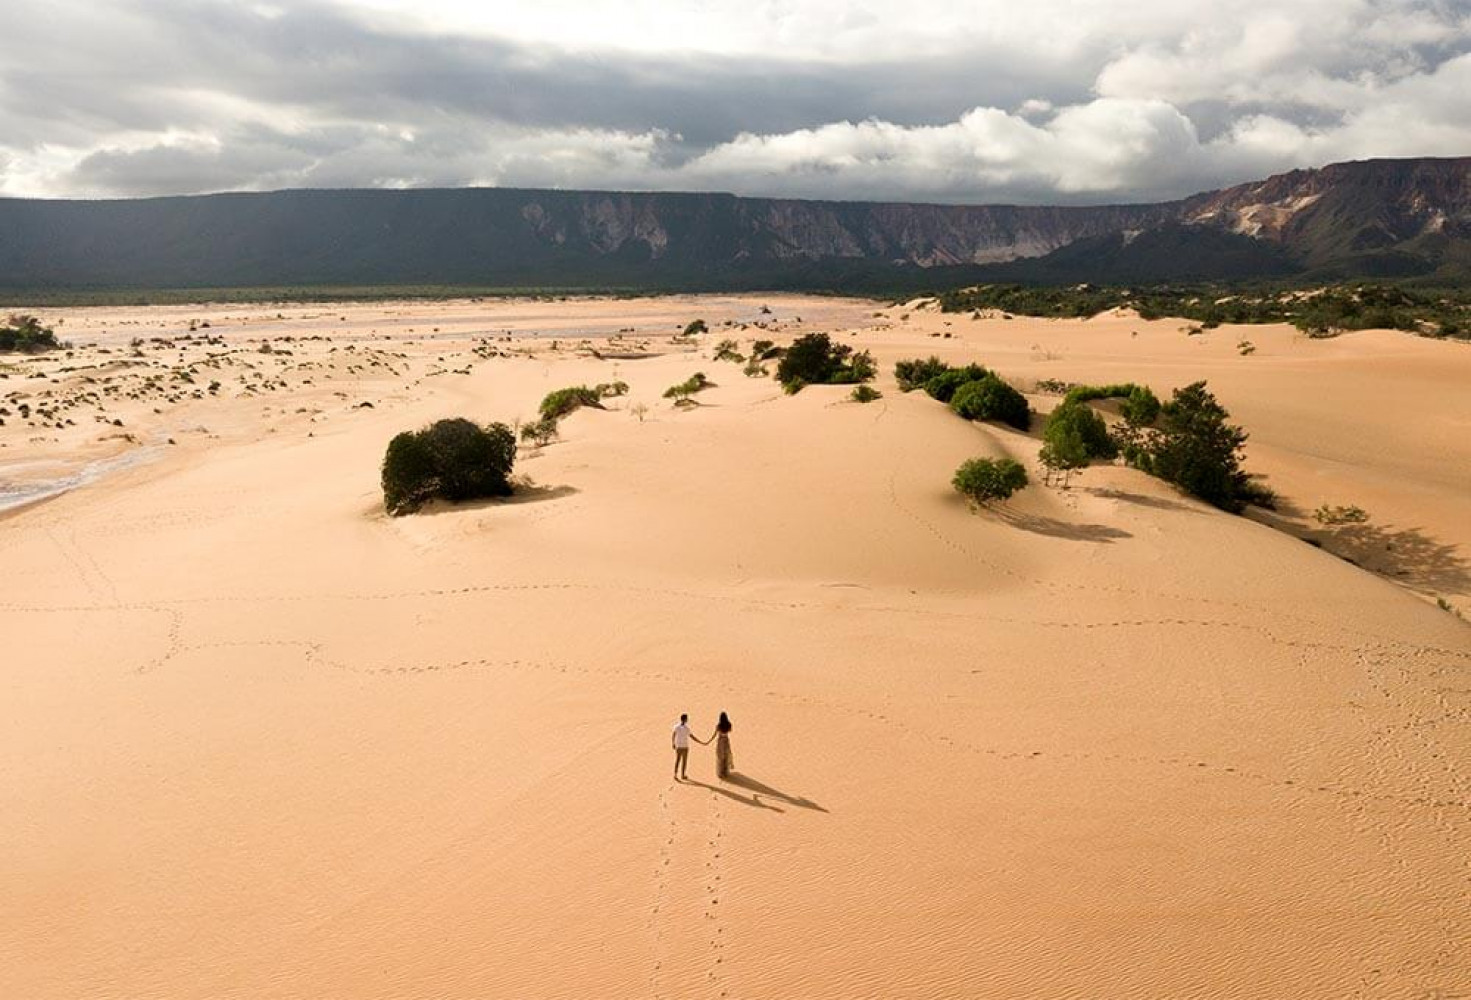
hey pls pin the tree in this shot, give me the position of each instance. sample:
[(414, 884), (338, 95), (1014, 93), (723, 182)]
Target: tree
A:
[(1197, 450), (982, 480), (1078, 419), (990, 398), (1062, 454), (453, 459)]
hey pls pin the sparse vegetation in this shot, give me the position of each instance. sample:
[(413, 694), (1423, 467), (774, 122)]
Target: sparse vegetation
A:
[(865, 394), (1332, 516), (695, 326), (984, 480), (455, 460), (1320, 312)]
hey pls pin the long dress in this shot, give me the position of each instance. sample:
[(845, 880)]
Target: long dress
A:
[(724, 759)]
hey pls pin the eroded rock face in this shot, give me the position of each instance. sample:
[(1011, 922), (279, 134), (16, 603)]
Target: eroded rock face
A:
[(1344, 212)]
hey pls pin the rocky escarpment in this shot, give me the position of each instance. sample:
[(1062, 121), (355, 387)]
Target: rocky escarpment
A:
[(1375, 217)]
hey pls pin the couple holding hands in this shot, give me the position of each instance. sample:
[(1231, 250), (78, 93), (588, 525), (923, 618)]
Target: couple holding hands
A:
[(680, 740)]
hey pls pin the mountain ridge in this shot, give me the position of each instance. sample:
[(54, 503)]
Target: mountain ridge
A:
[(1397, 218)]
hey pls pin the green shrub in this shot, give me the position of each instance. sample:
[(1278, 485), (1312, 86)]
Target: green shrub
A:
[(541, 432), (455, 460), (682, 392), (913, 373), (765, 350), (865, 394), (1196, 449), (859, 367), (729, 350), (1336, 515), (990, 398), (27, 335), (1079, 420), (696, 326), (943, 385), (607, 389), (1140, 407), (560, 402), (982, 480), (814, 359)]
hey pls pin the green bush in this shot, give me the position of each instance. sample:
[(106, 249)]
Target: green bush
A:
[(913, 373), (982, 480), (865, 394), (696, 326), (607, 389), (1077, 419), (27, 335), (455, 460), (943, 385), (560, 402), (682, 392), (729, 350), (541, 432), (814, 359), (1141, 406), (1196, 449), (990, 398)]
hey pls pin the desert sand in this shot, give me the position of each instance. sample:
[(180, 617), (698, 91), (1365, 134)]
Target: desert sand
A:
[(263, 741)]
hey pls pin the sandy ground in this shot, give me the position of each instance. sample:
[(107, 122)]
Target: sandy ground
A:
[(263, 741)]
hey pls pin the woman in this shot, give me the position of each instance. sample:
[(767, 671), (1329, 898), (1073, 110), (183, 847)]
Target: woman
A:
[(724, 760)]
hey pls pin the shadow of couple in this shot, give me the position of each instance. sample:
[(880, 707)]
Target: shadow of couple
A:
[(758, 790)]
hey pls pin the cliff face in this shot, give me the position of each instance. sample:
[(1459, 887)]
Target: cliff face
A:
[(1347, 208), (1386, 216)]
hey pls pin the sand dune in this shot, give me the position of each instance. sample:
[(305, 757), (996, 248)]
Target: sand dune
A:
[(266, 742)]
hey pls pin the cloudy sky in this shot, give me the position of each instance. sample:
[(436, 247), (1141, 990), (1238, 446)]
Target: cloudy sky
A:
[(1028, 101)]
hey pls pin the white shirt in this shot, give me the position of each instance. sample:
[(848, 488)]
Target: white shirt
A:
[(681, 736)]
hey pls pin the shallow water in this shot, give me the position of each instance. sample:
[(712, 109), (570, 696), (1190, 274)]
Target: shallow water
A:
[(17, 492)]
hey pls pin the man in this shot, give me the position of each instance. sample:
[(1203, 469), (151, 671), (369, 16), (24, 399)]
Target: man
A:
[(680, 739)]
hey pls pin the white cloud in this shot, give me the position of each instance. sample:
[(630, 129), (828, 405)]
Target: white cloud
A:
[(812, 98)]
